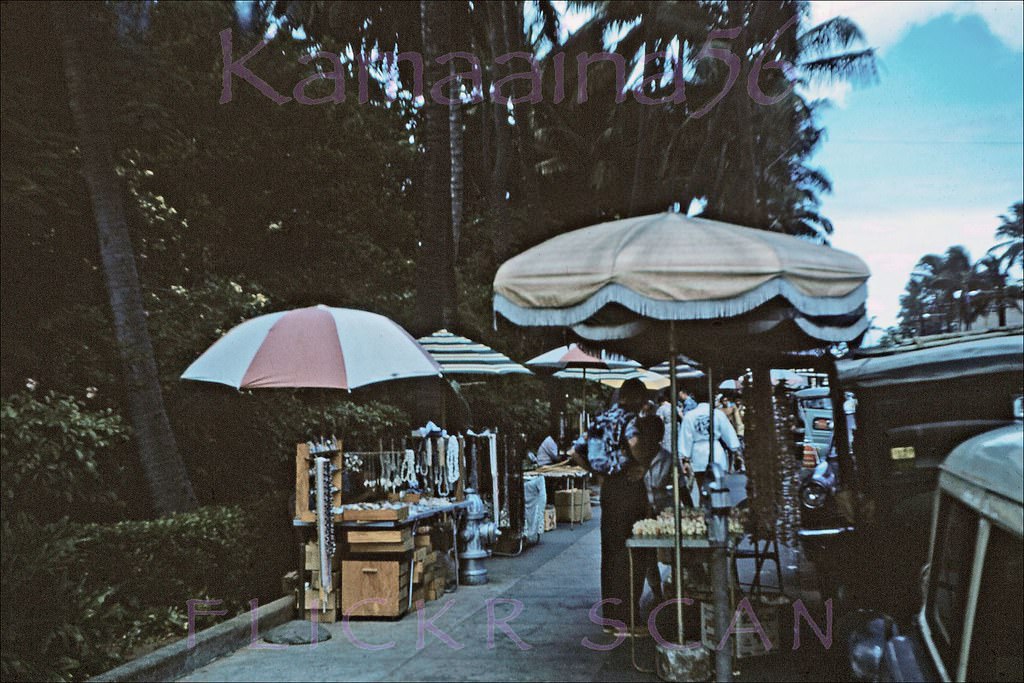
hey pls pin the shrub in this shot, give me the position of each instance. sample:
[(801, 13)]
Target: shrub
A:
[(80, 598), (52, 451)]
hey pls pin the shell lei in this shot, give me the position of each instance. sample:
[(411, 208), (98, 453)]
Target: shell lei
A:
[(693, 524)]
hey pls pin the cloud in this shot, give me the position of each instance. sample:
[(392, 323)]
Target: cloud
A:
[(885, 23), (892, 242)]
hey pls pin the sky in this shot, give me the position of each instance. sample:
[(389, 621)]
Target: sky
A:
[(932, 154)]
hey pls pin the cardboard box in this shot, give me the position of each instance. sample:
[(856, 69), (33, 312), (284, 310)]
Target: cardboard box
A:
[(550, 518), (422, 541)]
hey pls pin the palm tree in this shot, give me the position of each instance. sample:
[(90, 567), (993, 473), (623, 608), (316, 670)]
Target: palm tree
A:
[(998, 292), (1012, 232), (82, 30), (951, 278)]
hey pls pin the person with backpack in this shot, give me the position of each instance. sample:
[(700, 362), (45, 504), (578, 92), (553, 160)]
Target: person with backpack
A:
[(620, 445)]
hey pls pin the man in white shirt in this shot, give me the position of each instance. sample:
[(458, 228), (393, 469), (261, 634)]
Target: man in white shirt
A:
[(693, 441)]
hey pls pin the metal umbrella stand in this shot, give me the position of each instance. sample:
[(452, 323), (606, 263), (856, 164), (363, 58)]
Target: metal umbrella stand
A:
[(637, 285)]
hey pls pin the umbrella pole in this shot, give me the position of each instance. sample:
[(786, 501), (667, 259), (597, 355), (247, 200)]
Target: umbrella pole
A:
[(583, 410), (717, 524), (677, 575)]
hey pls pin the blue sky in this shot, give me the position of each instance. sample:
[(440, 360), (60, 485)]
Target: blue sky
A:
[(932, 154)]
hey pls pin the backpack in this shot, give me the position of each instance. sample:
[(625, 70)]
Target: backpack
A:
[(607, 450)]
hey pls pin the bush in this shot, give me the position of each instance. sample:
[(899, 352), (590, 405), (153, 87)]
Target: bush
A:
[(80, 598), (52, 451)]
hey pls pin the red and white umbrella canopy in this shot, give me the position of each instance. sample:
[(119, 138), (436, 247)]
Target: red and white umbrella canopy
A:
[(572, 356), (315, 347)]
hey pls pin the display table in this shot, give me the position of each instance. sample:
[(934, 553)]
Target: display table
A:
[(565, 477), (373, 556), (700, 545)]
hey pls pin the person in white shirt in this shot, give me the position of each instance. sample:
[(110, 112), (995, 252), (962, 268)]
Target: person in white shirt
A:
[(693, 441), (547, 454)]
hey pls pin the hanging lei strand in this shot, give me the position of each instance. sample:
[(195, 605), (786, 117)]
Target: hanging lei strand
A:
[(408, 473)]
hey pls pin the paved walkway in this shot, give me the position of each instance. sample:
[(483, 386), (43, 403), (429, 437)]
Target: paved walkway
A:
[(556, 582)]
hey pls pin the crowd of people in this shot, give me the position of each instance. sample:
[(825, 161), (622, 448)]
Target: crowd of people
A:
[(629, 446)]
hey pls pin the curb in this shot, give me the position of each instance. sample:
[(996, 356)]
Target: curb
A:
[(177, 659)]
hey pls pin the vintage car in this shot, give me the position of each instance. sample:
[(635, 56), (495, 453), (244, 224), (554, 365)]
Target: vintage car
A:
[(915, 403), (969, 627), (814, 417)]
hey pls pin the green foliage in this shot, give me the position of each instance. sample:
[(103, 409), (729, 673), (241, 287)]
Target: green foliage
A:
[(52, 625), (79, 599), (52, 452)]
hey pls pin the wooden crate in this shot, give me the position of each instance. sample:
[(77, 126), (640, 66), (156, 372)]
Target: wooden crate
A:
[(328, 616), (379, 536), (387, 548), (386, 580), (378, 515), (330, 600), (315, 580), (313, 556)]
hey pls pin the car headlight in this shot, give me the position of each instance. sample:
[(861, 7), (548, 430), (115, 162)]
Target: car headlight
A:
[(813, 495)]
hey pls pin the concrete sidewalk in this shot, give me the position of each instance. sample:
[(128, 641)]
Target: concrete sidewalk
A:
[(556, 583)]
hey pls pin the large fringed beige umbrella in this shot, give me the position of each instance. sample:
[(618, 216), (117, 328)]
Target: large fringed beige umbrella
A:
[(655, 285)]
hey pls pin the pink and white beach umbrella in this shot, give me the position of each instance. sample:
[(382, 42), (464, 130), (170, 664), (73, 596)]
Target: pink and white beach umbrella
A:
[(315, 347)]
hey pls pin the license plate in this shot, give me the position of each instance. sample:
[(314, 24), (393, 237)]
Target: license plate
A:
[(902, 453)]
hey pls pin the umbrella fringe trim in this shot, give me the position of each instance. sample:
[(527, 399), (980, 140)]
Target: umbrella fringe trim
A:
[(682, 310)]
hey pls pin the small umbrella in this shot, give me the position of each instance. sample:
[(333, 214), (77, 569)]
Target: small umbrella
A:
[(615, 378), (572, 356), (315, 347), (461, 356)]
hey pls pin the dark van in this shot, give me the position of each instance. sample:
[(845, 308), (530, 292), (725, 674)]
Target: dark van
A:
[(915, 403)]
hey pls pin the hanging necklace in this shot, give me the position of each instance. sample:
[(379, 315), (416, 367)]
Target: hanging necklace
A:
[(452, 461), (408, 473)]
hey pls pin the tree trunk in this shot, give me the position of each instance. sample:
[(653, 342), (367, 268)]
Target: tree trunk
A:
[(1001, 304), (499, 116), (162, 465), (435, 281), (455, 143)]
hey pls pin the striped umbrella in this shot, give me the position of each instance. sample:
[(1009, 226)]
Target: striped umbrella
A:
[(683, 370), (615, 378), (461, 356), (315, 347)]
